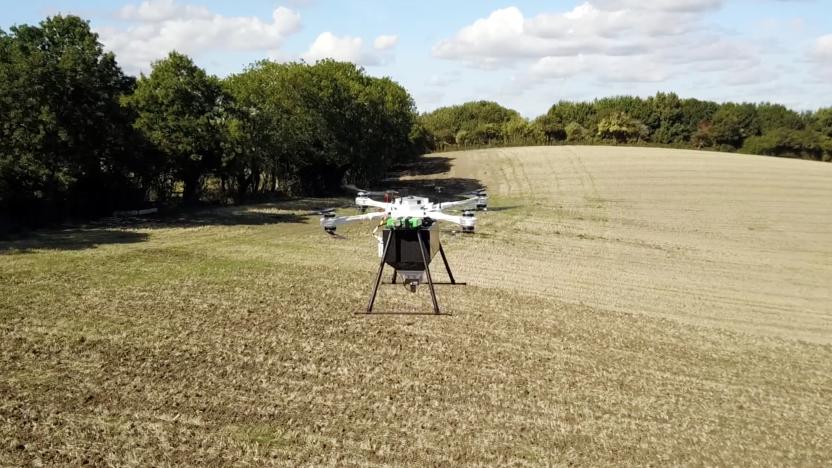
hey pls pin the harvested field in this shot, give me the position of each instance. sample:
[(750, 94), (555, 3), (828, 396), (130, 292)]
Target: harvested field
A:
[(625, 306)]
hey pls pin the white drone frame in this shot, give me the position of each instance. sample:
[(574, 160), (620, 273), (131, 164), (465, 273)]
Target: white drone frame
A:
[(410, 207)]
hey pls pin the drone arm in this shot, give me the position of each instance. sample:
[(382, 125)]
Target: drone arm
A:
[(331, 223), (366, 201), (467, 222), (456, 204)]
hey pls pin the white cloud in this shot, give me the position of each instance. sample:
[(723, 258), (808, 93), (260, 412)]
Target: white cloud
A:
[(162, 10), (385, 42), (823, 48), (328, 45), (821, 57), (155, 27), (350, 49), (611, 40), (685, 6)]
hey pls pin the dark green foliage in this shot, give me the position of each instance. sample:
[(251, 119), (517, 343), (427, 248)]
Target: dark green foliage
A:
[(575, 133), (582, 113), (77, 137), (785, 142), (777, 116), (472, 123), (551, 127), (180, 111), (733, 123), (663, 119), (65, 144), (822, 122), (307, 127)]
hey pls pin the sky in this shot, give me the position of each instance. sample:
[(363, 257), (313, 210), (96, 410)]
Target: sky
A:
[(523, 54)]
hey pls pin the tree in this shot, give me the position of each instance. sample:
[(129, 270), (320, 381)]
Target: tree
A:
[(314, 126), (65, 144), (822, 121), (575, 133), (181, 111), (783, 142), (668, 126), (551, 128), (620, 127), (774, 116), (447, 121), (733, 123), (703, 138), (582, 113)]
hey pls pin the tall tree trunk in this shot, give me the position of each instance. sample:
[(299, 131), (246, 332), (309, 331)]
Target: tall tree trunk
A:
[(190, 192)]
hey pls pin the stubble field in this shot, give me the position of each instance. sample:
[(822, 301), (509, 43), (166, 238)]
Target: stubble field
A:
[(625, 306)]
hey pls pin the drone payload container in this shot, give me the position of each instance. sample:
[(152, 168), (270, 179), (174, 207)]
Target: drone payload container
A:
[(404, 253)]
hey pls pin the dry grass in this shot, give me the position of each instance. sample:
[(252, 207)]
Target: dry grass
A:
[(641, 307)]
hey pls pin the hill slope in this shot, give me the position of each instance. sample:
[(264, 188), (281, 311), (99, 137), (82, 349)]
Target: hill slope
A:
[(228, 335), (738, 242)]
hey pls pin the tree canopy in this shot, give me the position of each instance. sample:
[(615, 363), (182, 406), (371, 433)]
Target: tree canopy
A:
[(78, 137), (664, 119), (63, 136)]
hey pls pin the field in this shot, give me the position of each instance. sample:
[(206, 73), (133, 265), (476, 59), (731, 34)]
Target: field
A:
[(625, 306)]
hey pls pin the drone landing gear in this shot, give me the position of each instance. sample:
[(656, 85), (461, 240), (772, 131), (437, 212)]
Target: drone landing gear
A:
[(431, 283)]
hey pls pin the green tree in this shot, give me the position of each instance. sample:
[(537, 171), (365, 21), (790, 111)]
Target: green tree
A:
[(309, 127), (575, 133), (550, 127), (667, 122), (449, 121), (621, 127), (733, 123), (784, 142), (775, 116), (181, 111), (822, 121), (65, 144), (582, 113)]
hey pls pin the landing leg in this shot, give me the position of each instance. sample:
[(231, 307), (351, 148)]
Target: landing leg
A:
[(427, 273), (445, 260), (378, 276), (395, 273)]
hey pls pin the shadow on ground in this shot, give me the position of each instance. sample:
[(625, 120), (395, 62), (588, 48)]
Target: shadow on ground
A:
[(122, 230), (258, 215), (71, 239), (424, 166)]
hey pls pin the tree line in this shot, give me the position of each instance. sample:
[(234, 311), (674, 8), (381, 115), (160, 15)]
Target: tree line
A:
[(79, 137), (663, 120)]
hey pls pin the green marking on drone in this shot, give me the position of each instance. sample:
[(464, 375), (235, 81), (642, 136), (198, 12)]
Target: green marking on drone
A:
[(404, 223)]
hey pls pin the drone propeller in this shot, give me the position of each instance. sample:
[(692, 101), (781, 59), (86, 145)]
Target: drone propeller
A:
[(361, 192), (482, 199), (320, 211)]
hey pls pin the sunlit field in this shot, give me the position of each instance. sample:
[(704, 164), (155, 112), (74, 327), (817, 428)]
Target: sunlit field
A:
[(624, 306)]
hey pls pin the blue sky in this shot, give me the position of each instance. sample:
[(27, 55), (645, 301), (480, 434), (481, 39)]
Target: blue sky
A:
[(523, 54)]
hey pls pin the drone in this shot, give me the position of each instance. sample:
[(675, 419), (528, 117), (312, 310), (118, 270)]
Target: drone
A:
[(408, 240)]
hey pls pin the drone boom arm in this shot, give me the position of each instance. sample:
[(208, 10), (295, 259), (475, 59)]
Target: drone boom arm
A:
[(331, 223), (466, 222), (457, 204), (367, 201)]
